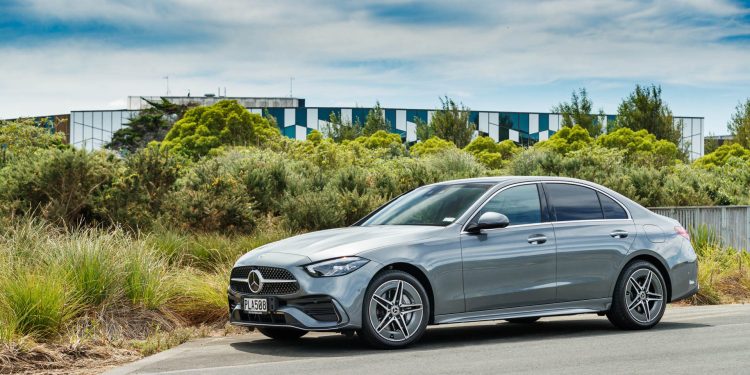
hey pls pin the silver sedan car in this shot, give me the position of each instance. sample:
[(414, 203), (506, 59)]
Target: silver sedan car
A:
[(500, 248)]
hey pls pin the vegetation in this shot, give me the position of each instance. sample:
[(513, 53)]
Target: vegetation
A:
[(739, 124), (376, 121), (150, 125), (226, 123), (645, 109), (451, 123), (579, 112), (131, 252)]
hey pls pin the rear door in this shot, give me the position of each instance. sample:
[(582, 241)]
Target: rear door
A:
[(594, 233)]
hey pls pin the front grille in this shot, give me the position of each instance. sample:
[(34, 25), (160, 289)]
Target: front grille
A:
[(240, 274)]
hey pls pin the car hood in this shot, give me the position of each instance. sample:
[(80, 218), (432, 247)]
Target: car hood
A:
[(333, 243)]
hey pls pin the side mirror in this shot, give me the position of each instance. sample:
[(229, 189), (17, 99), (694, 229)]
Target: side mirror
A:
[(489, 220)]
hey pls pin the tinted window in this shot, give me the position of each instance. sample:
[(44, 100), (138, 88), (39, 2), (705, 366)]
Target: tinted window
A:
[(520, 204), (573, 202), (429, 205), (612, 210)]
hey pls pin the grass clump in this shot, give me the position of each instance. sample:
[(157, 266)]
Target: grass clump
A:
[(723, 272), (35, 304)]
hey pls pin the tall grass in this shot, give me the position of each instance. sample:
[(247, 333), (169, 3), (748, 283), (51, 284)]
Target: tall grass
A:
[(723, 272), (36, 304)]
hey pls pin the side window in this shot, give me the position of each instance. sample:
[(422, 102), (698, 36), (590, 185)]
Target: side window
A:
[(612, 209), (573, 202), (520, 204)]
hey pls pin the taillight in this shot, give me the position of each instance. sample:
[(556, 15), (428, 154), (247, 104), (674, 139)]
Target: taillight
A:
[(682, 232)]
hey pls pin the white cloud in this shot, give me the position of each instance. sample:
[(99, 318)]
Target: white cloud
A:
[(253, 48)]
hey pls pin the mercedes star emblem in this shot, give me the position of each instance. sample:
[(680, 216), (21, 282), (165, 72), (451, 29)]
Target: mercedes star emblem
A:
[(255, 281)]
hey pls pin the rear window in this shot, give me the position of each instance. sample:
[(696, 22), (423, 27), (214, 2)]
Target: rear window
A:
[(611, 209), (573, 202)]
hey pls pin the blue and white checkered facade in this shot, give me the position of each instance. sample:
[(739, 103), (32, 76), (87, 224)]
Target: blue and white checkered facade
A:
[(93, 129)]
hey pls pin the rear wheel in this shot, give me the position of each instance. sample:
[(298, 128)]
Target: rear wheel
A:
[(281, 333), (528, 320), (395, 312), (640, 297)]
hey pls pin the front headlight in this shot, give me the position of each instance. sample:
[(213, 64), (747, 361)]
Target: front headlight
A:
[(335, 267)]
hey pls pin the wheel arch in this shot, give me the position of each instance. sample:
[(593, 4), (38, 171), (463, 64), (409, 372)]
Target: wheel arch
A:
[(652, 258), (421, 276)]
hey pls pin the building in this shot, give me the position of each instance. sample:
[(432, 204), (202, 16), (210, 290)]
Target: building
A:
[(94, 129)]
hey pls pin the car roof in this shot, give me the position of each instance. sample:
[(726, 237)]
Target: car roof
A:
[(508, 179)]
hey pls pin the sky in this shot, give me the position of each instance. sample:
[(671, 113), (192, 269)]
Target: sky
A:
[(63, 55)]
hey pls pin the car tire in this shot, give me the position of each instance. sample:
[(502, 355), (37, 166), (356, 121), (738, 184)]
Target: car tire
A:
[(389, 322), (282, 333), (640, 297), (529, 320)]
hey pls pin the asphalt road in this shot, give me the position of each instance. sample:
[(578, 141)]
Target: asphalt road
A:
[(688, 340)]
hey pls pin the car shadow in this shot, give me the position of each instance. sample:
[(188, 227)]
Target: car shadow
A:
[(436, 337)]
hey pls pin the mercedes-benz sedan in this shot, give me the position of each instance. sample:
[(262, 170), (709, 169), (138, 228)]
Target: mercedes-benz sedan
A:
[(505, 248)]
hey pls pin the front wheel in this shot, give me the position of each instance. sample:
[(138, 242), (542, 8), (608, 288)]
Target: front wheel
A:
[(282, 333), (640, 297), (395, 312)]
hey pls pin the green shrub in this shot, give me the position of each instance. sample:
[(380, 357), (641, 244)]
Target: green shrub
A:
[(137, 194), (205, 129), (567, 140), (63, 186), (212, 197), (433, 145), (724, 154), (492, 155), (314, 210)]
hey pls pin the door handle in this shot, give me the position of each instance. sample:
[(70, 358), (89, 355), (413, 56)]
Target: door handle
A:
[(537, 239), (619, 234)]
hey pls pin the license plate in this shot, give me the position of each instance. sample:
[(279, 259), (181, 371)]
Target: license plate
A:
[(256, 305)]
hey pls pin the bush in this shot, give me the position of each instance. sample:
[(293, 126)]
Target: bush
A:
[(138, 192), (433, 145), (226, 123), (567, 140), (723, 155), (313, 210), (63, 186), (641, 146), (492, 155)]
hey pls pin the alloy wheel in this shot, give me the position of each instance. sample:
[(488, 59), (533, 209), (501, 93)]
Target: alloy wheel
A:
[(396, 310), (644, 295)]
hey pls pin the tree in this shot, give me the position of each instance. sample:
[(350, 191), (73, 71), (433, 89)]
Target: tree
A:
[(578, 112), (151, 124), (424, 130), (341, 130), (739, 124), (450, 123), (376, 121), (645, 109), (204, 129), (491, 154)]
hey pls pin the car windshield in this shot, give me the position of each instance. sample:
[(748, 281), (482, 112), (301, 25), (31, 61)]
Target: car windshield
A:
[(437, 205)]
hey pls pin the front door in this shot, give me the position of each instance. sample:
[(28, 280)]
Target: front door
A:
[(512, 266)]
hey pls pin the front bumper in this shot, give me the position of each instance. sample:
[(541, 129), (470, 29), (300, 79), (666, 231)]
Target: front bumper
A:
[(320, 303)]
